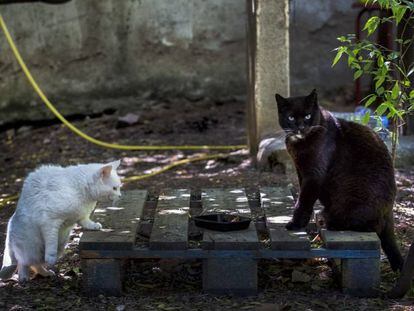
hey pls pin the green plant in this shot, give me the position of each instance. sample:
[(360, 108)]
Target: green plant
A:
[(390, 69)]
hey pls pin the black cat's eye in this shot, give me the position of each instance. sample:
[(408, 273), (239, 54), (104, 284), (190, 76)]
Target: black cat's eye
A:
[(308, 116), (115, 188), (290, 118)]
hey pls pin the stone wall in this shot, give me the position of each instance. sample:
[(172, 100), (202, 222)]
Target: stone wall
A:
[(94, 54), (85, 51), (314, 27)]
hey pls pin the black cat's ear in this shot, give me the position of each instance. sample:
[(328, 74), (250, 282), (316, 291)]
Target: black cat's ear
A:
[(280, 100), (312, 98)]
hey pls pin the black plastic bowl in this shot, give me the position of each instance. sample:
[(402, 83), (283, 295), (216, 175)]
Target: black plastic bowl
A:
[(222, 222)]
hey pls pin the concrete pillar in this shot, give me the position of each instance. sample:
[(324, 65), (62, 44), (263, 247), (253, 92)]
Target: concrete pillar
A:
[(268, 65)]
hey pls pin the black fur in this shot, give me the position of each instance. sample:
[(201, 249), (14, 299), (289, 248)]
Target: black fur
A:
[(343, 164)]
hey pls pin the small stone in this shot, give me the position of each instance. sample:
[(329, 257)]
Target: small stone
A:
[(120, 308), (195, 95), (300, 277), (24, 129), (272, 155), (127, 120)]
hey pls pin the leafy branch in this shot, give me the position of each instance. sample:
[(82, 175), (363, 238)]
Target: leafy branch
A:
[(392, 93)]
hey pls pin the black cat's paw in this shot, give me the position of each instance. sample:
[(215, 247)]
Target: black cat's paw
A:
[(293, 226)]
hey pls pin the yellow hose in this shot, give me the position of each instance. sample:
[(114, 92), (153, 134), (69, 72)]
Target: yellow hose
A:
[(74, 129), (9, 199), (78, 131), (172, 165)]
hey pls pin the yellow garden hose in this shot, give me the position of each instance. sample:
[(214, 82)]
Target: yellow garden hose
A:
[(12, 198), (172, 165), (78, 131)]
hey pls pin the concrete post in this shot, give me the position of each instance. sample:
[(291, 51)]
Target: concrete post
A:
[(268, 65)]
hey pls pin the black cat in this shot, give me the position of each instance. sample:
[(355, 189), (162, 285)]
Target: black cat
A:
[(348, 168), (343, 164)]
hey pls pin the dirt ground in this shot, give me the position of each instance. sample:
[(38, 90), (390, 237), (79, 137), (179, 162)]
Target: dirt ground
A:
[(168, 284)]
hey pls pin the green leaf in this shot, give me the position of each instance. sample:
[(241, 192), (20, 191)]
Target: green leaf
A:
[(380, 90), (379, 82), (395, 90), (372, 24), (368, 67), (351, 60), (411, 94), (381, 109), (399, 13), (358, 73), (343, 39), (380, 61), (393, 55), (338, 56), (370, 100), (365, 118)]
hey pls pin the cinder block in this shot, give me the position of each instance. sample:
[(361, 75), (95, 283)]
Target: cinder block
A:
[(230, 276), (102, 276), (361, 277)]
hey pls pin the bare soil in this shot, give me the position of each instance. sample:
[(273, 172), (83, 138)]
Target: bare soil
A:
[(171, 284)]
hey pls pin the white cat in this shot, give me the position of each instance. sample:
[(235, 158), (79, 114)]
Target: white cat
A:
[(52, 200)]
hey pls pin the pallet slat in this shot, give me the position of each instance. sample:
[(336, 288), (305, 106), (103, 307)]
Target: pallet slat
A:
[(235, 202), (278, 204), (170, 229), (119, 221), (350, 240)]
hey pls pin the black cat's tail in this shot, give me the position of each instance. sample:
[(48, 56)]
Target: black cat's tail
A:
[(404, 282), (389, 245)]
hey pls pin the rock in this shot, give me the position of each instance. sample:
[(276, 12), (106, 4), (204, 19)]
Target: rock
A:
[(272, 155), (405, 152), (120, 308), (195, 95), (24, 129), (300, 277), (127, 120)]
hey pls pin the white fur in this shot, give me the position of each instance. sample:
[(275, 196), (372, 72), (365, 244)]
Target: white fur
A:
[(52, 200)]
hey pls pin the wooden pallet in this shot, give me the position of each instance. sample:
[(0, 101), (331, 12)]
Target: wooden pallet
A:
[(230, 258)]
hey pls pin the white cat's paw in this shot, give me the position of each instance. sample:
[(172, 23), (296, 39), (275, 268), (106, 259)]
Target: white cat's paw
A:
[(50, 260)]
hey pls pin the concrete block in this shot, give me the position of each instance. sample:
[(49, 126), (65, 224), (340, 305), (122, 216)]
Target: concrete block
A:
[(230, 276), (102, 276), (361, 277)]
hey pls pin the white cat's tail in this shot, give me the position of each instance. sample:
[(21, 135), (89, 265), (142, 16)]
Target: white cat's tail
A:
[(9, 260)]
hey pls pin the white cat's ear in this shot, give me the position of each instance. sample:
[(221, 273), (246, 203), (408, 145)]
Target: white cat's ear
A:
[(105, 171), (115, 164)]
